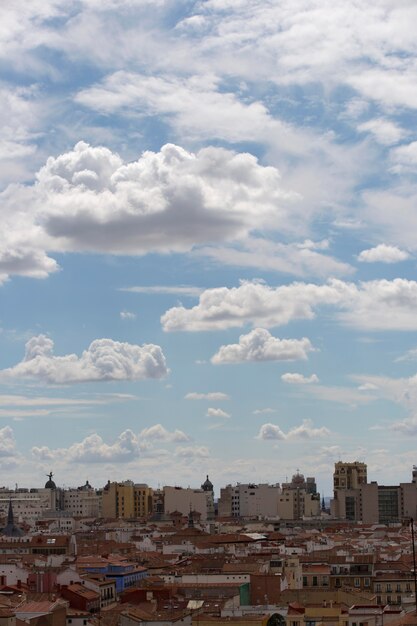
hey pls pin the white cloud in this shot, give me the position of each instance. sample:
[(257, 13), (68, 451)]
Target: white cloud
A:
[(404, 159), (160, 433), (384, 131), (391, 87), (298, 259), (127, 315), (264, 411), (195, 106), (299, 379), (176, 290), (104, 360), (7, 443), (341, 395), (29, 401), (305, 430), (89, 200), (217, 413), (260, 345), (271, 431), (410, 355), (407, 427), (212, 395), (368, 387), (383, 254), (93, 449), (253, 302), (402, 391), (373, 305), (127, 447), (190, 452)]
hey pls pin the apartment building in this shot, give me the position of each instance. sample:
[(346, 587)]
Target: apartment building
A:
[(126, 500), (299, 498), (249, 500), (184, 500), (83, 501), (371, 503)]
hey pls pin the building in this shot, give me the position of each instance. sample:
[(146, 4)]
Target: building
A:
[(349, 475), (81, 598), (299, 498), (347, 480), (372, 503), (83, 501), (124, 574), (249, 500), (185, 500), (126, 500)]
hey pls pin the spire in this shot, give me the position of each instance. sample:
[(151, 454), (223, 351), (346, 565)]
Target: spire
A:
[(10, 516), (11, 530)]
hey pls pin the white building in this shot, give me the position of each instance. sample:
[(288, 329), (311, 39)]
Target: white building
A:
[(185, 500), (249, 500), (83, 501), (28, 504)]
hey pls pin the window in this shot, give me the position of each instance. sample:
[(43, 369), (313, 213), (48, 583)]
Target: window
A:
[(398, 599), (357, 582), (304, 581), (378, 587), (315, 581), (388, 599), (367, 582), (389, 589), (378, 600)]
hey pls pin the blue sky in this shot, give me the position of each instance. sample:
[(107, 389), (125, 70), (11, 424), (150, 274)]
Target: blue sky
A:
[(208, 251)]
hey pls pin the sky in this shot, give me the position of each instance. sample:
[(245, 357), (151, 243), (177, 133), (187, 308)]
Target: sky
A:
[(209, 240)]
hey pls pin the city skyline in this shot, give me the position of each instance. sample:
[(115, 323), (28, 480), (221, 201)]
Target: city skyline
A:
[(208, 251)]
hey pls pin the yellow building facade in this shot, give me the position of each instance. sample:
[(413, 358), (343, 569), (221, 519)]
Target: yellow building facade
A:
[(127, 500)]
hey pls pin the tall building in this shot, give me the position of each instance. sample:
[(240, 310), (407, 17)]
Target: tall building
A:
[(126, 500), (347, 480), (349, 475)]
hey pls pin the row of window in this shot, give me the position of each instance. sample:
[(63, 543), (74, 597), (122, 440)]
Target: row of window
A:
[(388, 587)]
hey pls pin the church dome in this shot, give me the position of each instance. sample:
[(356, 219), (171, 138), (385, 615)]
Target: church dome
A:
[(207, 485)]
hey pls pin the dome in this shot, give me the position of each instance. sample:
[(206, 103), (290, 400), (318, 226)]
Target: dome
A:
[(207, 485), (85, 487), (50, 483)]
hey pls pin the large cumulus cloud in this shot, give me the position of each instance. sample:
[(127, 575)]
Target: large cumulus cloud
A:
[(88, 199), (104, 360)]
